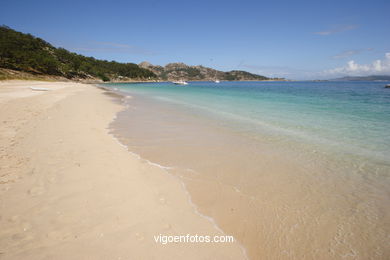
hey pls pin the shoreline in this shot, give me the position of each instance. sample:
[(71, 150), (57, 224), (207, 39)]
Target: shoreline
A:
[(278, 197), (69, 190), (188, 194), (121, 98)]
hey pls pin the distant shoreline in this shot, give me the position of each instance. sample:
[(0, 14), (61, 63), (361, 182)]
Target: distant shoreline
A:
[(8, 74)]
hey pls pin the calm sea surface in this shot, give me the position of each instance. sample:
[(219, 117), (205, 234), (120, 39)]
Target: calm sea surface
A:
[(294, 170)]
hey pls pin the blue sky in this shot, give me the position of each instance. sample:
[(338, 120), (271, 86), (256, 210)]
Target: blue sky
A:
[(292, 39)]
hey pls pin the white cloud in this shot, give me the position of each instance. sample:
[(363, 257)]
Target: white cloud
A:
[(111, 47), (349, 53), (354, 69), (337, 29)]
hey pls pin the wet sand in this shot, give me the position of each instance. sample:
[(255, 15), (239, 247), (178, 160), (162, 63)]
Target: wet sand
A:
[(69, 190)]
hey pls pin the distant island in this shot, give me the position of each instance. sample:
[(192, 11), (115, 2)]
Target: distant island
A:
[(364, 78), (24, 56)]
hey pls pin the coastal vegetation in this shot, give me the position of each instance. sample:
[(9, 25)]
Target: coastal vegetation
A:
[(25, 56), (26, 53)]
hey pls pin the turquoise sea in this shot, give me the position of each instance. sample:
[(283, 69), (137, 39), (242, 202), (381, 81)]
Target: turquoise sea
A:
[(294, 170), (350, 117)]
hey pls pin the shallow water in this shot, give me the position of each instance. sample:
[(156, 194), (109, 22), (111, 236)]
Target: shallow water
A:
[(294, 170)]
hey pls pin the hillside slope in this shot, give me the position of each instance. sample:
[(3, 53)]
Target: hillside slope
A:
[(23, 56), (24, 52), (181, 71)]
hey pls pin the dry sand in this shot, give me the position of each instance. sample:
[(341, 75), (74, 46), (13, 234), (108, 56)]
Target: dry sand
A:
[(68, 190)]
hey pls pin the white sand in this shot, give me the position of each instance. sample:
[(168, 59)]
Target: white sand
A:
[(68, 190)]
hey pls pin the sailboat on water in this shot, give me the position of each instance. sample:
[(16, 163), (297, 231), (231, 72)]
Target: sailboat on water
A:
[(216, 80), (180, 82)]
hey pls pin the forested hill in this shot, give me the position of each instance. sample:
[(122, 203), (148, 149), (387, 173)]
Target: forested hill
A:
[(24, 52)]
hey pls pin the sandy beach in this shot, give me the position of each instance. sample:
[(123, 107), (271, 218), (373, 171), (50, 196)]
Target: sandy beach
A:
[(69, 190)]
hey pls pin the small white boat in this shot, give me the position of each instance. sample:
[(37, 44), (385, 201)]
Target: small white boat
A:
[(39, 89), (217, 81), (180, 82), (387, 86)]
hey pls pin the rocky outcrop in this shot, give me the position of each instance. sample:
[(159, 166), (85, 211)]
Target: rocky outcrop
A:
[(181, 71)]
